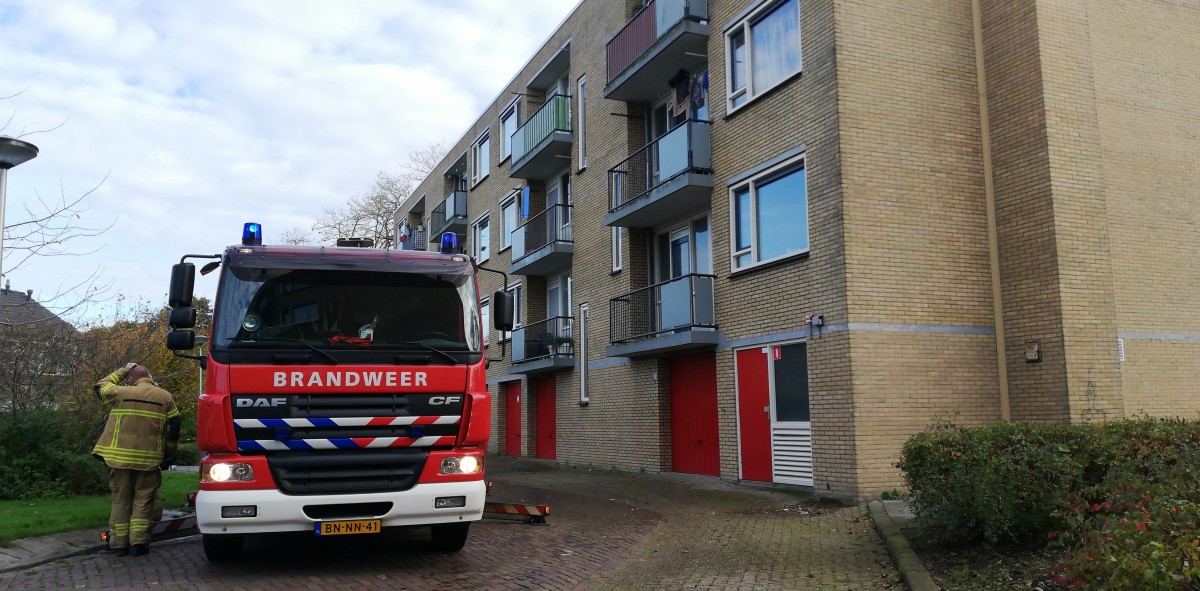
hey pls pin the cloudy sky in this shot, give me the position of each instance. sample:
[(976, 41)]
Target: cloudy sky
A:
[(193, 117)]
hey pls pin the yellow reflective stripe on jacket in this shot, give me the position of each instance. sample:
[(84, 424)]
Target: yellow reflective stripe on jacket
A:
[(104, 386), (149, 414), (116, 453)]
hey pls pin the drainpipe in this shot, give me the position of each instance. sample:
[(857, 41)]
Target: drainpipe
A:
[(989, 191)]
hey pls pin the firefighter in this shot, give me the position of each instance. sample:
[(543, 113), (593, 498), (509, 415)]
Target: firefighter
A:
[(139, 439)]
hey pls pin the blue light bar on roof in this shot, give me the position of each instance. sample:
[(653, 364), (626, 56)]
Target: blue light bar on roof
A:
[(252, 234), (449, 242)]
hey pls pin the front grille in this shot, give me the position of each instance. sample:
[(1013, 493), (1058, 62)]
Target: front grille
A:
[(346, 471)]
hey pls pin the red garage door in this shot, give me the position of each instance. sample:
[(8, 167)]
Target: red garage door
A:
[(695, 447), (543, 392)]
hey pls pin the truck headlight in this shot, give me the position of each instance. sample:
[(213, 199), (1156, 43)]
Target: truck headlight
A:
[(461, 465), (227, 472)]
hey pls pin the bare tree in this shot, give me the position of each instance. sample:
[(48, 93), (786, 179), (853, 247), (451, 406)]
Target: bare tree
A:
[(370, 215), (294, 235), (53, 228)]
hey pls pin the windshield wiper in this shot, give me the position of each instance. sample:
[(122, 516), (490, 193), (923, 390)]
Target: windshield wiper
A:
[(332, 360), (453, 359)]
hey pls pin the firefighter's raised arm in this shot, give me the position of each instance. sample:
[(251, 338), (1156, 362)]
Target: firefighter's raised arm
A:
[(106, 383)]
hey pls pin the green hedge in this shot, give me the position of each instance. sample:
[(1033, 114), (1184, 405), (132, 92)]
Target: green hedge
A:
[(40, 459), (1120, 497)]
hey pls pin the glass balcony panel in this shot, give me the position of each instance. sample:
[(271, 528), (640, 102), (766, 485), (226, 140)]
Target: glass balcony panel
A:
[(548, 338), (675, 304), (554, 115), (683, 149)]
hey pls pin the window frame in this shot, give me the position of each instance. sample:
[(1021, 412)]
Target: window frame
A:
[(479, 249), (581, 96), (512, 111), (742, 26), (509, 202), (481, 146), (485, 315), (516, 289), (618, 259), (797, 163)]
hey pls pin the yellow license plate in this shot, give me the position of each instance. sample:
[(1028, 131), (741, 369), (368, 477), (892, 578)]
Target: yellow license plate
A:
[(341, 528)]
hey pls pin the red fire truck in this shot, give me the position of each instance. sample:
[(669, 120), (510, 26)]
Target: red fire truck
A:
[(344, 391)]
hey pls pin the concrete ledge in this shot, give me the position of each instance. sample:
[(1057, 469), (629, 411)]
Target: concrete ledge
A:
[(916, 578), (38, 551)]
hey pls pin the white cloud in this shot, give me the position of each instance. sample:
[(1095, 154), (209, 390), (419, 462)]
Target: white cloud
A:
[(207, 114)]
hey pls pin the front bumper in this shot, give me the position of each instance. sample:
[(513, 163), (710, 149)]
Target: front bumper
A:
[(278, 512)]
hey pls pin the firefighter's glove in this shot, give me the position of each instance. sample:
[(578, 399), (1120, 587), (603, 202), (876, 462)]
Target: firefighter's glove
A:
[(167, 463)]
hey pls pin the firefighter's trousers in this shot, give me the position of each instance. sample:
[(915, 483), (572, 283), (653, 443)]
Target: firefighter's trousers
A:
[(134, 495)]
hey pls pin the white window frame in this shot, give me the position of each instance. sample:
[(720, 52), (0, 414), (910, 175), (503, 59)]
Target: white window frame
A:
[(516, 290), (481, 147), (512, 111), (506, 204), (581, 96), (618, 262), (743, 27), (485, 314), (799, 163), (582, 355), (481, 249)]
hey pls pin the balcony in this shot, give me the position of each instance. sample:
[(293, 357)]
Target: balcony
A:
[(668, 179), (542, 146), (675, 315), (543, 346), (543, 245), (414, 241), (666, 36), (450, 215)]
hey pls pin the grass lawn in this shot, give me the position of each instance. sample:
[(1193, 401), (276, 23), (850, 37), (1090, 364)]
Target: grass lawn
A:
[(23, 519)]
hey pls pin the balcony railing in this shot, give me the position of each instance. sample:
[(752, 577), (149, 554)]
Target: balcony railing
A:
[(554, 115), (650, 23), (414, 241), (679, 304), (452, 208), (550, 226), (683, 149), (549, 338)]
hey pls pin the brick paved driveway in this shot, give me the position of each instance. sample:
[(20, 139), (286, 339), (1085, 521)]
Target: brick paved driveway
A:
[(607, 530)]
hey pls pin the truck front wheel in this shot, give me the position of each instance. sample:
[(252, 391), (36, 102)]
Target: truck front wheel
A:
[(450, 537), (222, 548)]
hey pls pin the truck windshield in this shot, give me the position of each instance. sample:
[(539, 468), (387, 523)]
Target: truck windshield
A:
[(330, 309)]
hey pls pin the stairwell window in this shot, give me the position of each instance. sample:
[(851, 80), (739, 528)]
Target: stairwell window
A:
[(482, 239), (481, 162), (769, 215), (762, 50), (509, 121)]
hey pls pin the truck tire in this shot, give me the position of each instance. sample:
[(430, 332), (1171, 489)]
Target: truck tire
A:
[(222, 548), (450, 537)]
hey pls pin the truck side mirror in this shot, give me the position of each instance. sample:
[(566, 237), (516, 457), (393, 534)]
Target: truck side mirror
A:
[(181, 340), (181, 318), (183, 281), (502, 311)]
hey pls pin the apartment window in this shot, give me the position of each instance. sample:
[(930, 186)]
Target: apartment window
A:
[(582, 127), (617, 263), (482, 238), (769, 215), (509, 121), (481, 162), (508, 220), (485, 310), (515, 290), (762, 50)]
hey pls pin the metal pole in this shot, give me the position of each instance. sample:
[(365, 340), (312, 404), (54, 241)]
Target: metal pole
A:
[(3, 194)]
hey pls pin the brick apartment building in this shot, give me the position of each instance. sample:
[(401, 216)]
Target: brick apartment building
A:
[(770, 239)]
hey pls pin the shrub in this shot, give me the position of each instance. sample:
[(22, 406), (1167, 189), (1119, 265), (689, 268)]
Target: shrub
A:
[(188, 454), (1141, 539), (38, 461), (999, 484)]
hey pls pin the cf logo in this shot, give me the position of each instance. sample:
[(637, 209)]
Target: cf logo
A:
[(440, 400)]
